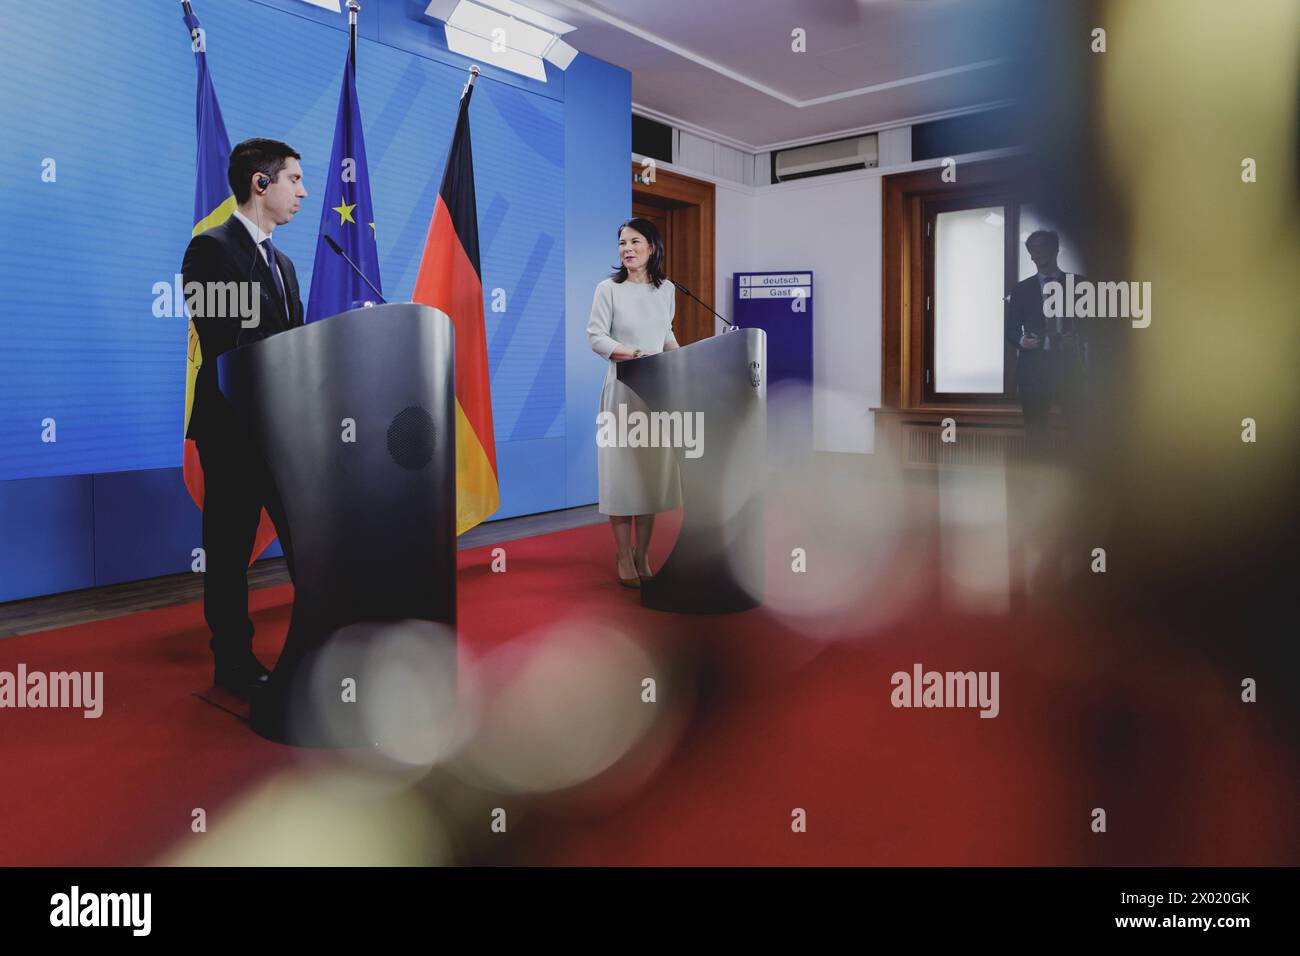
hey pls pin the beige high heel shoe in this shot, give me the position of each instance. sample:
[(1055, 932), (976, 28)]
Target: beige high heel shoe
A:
[(626, 582)]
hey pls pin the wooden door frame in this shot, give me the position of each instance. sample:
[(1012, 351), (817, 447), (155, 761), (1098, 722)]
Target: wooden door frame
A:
[(690, 248), (907, 416), (902, 346)]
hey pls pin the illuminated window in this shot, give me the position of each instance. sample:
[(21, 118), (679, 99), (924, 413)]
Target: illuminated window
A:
[(969, 257)]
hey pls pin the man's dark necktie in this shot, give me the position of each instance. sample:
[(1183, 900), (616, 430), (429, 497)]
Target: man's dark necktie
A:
[(275, 274)]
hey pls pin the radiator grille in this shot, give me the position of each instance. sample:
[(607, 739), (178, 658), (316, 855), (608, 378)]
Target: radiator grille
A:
[(975, 447)]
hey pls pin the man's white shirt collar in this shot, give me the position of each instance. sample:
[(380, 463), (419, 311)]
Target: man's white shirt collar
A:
[(258, 235), (254, 230)]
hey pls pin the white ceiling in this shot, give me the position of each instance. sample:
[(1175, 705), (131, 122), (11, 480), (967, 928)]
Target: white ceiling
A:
[(725, 68)]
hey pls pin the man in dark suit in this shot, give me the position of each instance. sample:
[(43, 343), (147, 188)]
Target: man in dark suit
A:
[(266, 178), (1048, 349)]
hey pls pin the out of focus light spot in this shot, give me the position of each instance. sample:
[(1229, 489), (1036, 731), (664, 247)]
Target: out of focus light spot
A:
[(310, 819), (409, 708), (561, 708), (850, 519)]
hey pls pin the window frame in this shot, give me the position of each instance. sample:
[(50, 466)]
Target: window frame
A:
[(909, 200), (931, 208)]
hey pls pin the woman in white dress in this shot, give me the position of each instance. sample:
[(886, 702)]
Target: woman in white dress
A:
[(632, 316)]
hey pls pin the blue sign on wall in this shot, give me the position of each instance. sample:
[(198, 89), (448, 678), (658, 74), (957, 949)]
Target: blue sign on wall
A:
[(781, 304)]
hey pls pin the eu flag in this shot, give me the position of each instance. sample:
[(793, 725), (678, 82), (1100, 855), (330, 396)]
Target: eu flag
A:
[(347, 215)]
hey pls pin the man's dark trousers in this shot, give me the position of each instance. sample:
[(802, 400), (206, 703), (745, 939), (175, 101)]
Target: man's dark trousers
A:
[(1052, 375), (237, 486)]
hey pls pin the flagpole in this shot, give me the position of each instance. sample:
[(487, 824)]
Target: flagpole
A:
[(189, 12), (473, 75), (353, 9)]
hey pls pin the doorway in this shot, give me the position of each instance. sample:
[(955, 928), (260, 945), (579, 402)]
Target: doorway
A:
[(682, 210)]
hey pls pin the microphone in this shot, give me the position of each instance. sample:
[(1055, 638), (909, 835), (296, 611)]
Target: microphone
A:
[(731, 326), (335, 246)]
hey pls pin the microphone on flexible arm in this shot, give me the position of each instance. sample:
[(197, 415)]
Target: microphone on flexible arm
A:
[(731, 326), (335, 246)]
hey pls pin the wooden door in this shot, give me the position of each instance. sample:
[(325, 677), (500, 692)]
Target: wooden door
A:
[(682, 209)]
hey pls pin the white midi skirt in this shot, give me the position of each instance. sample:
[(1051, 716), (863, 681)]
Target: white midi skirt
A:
[(634, 481)]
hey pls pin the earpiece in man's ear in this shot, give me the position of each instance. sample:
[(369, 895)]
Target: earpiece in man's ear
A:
[(263, 182)]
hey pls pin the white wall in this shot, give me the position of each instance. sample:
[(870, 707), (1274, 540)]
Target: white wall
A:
[(832, 226), (733, 237)]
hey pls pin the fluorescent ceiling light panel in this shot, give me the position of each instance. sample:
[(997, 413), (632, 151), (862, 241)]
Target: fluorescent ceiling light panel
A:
[(521, 12), (474, 26), (514, 34), (477, 48), (560, 54)]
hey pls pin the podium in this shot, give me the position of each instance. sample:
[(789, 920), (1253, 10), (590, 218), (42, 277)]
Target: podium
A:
[(354, 416), (716, 566)]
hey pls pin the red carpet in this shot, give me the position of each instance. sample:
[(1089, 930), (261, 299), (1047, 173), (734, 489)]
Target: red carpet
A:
[(1185, 772)]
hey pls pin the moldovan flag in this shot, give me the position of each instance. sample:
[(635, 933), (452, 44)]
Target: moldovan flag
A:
[(450, 280), (213, 204)]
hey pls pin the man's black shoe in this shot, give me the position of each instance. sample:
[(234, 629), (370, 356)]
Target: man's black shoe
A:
[(242, 676)]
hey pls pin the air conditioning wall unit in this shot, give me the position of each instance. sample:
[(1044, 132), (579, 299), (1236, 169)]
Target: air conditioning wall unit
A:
[(822, 159)]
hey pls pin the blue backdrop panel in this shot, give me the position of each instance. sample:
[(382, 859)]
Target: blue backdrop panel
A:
[(145, 525), (598, 187), (98, 161), (105, 90), (367, 23), (48, 536), (531, 473)]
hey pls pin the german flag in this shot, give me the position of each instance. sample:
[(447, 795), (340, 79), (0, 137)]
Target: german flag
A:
[(213, 204), (450, 280)]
